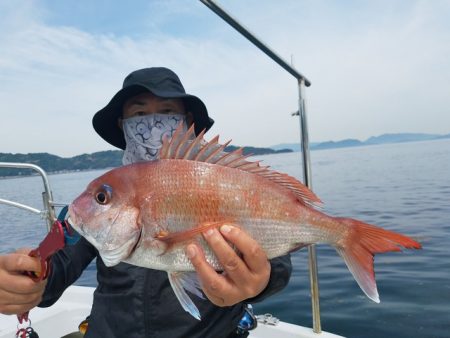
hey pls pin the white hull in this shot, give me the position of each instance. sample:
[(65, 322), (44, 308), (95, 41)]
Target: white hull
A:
[(75, 305)]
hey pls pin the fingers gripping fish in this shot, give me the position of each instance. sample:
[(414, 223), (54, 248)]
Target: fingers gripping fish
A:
[(146, 213)]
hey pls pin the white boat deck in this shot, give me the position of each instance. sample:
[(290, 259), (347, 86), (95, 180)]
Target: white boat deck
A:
[(58, 320), (75, 305)]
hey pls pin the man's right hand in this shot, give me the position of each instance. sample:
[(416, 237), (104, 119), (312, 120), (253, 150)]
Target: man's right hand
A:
[(18, 292)]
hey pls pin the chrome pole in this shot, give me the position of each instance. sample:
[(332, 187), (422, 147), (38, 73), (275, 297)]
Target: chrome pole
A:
[(21, 206), (312, 261), (253, 39), (302, 82)]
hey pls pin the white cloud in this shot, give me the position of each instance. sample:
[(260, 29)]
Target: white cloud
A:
[(375, 68)]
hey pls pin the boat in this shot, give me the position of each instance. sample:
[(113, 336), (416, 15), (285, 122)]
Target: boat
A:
[(61, 320)]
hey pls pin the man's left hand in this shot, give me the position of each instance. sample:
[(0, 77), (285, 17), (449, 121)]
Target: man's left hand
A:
[(244, 277)]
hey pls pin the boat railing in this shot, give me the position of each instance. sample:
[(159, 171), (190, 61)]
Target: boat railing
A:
[(48, 212)]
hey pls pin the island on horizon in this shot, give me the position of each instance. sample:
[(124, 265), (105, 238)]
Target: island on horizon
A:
[(113, 158)]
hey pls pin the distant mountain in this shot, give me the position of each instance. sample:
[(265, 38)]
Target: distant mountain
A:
[(99, 160), (399, 138), (444, 136), (338, 144), (259, 151), (381, 139), (292, 146), (52, 163)]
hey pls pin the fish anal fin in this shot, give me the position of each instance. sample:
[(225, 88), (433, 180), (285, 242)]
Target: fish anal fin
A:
[(358, 247), (182, 281)]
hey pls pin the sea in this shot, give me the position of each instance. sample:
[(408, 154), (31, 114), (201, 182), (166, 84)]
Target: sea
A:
[(403, 187)]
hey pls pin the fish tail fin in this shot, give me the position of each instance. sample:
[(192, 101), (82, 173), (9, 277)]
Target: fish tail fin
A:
[(359, 246)]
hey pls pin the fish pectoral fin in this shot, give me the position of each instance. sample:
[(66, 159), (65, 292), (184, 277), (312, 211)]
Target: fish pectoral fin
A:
[(182, 282), (172, 238)]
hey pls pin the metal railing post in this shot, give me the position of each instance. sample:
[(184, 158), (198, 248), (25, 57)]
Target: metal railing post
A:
[(312, 259), (47, 196)]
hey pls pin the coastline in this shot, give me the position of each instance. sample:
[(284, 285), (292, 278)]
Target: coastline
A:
[(112, 158)]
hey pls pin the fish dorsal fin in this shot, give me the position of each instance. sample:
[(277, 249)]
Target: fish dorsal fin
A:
[(185, 145)]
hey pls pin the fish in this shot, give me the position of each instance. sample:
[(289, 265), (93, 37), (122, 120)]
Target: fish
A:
[(146, 213)]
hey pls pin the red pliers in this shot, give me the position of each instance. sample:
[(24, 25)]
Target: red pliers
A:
[(54, 241)]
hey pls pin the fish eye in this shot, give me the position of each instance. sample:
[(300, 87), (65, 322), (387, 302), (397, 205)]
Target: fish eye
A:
[(104, 195), (101, 197)]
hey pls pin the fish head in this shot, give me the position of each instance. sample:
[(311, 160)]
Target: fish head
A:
[(105, 214)]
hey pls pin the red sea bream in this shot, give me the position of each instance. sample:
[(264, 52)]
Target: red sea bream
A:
[(146, 213)]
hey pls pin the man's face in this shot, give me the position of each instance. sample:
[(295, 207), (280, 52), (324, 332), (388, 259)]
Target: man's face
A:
[(147, 103), (143, 132)]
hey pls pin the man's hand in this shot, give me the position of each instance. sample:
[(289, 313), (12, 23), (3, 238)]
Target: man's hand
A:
[(243, 278), (18, 292)]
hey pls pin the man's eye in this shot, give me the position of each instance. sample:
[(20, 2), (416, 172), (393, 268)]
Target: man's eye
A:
[(167, 111), (139, 113)]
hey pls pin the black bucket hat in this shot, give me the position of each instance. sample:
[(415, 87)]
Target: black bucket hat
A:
[(159, 81)]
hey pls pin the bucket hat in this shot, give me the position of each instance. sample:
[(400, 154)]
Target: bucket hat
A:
[(159, 81)]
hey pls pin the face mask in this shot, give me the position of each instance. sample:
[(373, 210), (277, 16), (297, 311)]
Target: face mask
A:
[(144, 135)]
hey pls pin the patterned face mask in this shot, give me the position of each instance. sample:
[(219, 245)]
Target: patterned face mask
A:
[(144, 135)]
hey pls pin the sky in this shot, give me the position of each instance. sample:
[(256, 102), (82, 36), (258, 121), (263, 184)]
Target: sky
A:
[(375, 66)]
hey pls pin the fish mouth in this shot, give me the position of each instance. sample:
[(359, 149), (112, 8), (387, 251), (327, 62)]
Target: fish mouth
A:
[(74, 224), (80, 229), (74, 220)]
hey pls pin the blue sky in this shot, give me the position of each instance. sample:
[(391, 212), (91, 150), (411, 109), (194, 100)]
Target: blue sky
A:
[(375, 66)]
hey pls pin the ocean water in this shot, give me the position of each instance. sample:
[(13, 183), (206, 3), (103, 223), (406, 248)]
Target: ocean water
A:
[(401, 187)]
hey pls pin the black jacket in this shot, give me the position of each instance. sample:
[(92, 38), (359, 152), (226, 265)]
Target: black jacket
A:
[(135, 302)]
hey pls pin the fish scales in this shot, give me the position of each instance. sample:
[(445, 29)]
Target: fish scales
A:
[(210, 193), (146, 213)]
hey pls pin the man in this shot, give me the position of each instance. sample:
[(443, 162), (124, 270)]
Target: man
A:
[(131, 301)]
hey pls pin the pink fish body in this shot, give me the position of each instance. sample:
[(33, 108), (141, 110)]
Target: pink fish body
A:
[(145, 214)]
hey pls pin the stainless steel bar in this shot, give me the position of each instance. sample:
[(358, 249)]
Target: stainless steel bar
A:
[(258, 43), (312, 261), (46, 195), (304, 135), (20, 205), (49, 208)]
